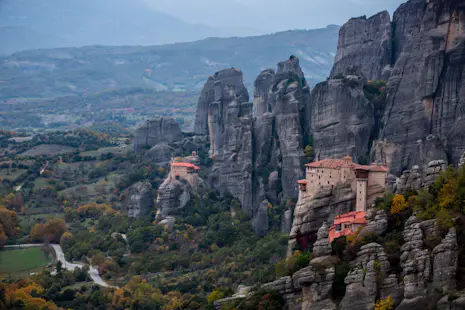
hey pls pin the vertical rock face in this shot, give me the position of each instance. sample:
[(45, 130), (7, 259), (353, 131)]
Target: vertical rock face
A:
[(365, 45), (157, 130), (316, 280), (416, 265), (260, 221), (363, 281), (229, 122), (427, 85), (445, 263), (342, 118), (172, 195), (311, 213), (261, 91), (140, 199), (289, 98)]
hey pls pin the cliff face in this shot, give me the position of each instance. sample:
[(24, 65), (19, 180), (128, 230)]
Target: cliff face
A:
[(256, 158), (157, 130), (225, 114), (365, 45), (343, 119), (426, 89)]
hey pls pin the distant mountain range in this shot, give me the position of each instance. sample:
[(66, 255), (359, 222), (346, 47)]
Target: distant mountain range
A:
[(31, 24), (177, 67)]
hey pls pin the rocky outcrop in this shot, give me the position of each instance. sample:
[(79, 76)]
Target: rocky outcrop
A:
[(289, 98), (365, 45), (426, 86), (160, 153), (139, 201), (225, 100), (316, 280), (285, 287), (365, 279), (260, 220), (377, 223), (262, 91), (286, 222), (445, 264), (157, 130), (311, 213), (416, 265), (172, 195), (433, 171), (342, 118)]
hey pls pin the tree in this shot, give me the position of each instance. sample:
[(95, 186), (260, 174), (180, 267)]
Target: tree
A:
[(309, 154), (215, 295), (398, 204), (385, 304), (52, 231)]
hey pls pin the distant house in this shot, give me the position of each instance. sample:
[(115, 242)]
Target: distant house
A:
[(366, 181)]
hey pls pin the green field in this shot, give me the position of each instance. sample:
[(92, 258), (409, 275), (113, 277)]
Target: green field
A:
[(19, 261)]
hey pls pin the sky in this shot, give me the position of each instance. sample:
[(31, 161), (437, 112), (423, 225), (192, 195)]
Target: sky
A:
[(272, 15)]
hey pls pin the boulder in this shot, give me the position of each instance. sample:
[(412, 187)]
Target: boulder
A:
[(160, 153), (172, 195)]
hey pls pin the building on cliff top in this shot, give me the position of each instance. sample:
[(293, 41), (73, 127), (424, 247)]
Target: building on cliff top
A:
[(367, 181), (184, 170)]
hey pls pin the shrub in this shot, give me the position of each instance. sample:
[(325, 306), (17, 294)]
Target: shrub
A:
[(385, 304)]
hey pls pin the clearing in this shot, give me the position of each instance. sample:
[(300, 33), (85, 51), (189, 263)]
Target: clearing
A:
[(22, 262)]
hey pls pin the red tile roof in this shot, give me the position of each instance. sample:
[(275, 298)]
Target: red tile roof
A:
[(187, 165), (302, 181), (339, 163)]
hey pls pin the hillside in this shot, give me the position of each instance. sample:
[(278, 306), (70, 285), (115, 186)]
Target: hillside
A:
[(87, 22), (177, 67)]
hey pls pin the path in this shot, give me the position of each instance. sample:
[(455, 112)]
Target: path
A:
[(93, 272)]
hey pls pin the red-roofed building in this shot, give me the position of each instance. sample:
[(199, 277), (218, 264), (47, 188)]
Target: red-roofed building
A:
[(184, 170), (346, 224), (367, 181)]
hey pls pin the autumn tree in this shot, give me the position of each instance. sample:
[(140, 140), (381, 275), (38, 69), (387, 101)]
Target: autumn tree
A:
[(8, 225), (398, 204), (385, 304), (52, 231)]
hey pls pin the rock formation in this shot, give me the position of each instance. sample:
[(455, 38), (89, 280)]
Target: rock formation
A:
[(260, 221), (343, 119), (160, 153), (310, 214), (262, 91), (230, 128), (157, 130), (426, 90), (364, 280), (365, 45), (172, 195), (139, 201), (445, 264)]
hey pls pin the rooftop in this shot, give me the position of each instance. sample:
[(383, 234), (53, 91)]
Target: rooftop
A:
[(351, 217), (346, 162), (182, 164)]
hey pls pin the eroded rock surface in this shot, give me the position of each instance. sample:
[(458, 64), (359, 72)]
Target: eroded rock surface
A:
[(157, 130), (139, 201)]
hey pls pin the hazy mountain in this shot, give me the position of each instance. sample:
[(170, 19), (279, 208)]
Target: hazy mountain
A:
[(31, 24), (175, 67)]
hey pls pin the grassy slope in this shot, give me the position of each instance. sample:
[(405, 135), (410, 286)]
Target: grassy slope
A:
[(22, 260)]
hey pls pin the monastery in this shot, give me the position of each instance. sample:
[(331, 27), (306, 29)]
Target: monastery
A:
[(364, 180), (181, 168)]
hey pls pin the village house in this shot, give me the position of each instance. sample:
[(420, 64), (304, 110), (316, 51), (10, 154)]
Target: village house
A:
[(366, 181)]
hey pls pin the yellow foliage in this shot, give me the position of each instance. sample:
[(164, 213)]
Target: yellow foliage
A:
[(448, 193), (385, 304), (215, 295), (398, 204)]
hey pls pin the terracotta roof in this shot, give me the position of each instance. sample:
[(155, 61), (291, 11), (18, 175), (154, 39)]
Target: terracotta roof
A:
[(339, 163), (187, 165), (351, 217), (328, 163), (302, 181)]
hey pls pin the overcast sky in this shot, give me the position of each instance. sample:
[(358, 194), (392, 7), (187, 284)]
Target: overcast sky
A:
[(272, 15)]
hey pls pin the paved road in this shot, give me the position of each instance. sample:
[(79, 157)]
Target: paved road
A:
[(93, 272)]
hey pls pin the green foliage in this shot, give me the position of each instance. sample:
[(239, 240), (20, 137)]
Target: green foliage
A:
[(288, 266)]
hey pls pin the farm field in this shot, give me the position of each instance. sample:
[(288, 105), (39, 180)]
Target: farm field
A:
[(20, 262)]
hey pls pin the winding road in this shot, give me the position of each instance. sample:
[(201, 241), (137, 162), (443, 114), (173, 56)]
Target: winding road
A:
[(60, 256)]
